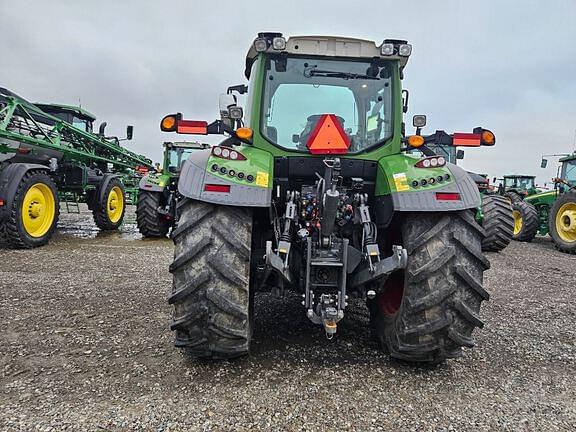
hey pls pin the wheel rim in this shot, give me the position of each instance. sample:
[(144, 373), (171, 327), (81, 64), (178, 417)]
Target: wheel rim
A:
[(38, 210), (115, 204), (517, 222), (566, 222)]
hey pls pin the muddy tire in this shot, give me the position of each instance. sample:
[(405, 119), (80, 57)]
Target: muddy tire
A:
[(512, 197), (32, 219), (498, 223), (526, 221), (110, 206), (562, 223), (150, 222), (211, 274), (427, 312)]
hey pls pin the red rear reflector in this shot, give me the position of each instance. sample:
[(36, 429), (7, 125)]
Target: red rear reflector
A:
[(447, 196), (216, 188), (328, 137), (22, 150), (192, 127), (1, 202), (466, 139)]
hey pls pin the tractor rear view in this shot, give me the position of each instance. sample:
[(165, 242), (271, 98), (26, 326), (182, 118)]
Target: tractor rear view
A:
[(48, 152), (156, 207), (315, 191)]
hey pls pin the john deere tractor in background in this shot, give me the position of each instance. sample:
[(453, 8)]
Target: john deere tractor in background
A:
[(517, 187), (495, 214), (314, 191), (555, 210), (156, 208), (50, 153)]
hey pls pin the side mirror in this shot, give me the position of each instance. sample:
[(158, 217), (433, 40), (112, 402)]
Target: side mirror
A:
[(419, 121), (129, 132), (494, 180), (544, 163), (405, 97), (460, 154)]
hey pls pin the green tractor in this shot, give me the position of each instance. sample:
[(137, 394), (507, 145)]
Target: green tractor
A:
[(495, 214), (517, 187), (158, 196), (554, 212), (314, 191)]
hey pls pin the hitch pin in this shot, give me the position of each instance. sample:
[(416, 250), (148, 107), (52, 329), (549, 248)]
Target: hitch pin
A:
[(330, 328)]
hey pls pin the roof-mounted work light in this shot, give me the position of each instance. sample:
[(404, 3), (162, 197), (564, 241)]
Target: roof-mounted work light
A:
[(387, 49), (261, 44), (279, 43), (405, 50)]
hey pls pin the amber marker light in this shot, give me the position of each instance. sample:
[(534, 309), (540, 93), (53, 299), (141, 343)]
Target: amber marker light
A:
[(415, 141), (244, 133)]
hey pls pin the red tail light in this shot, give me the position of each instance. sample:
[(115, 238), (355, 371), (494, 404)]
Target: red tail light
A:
[(217, 188), (447, 196), (431, 162), (466, 139), (227, 153), (192, 127)]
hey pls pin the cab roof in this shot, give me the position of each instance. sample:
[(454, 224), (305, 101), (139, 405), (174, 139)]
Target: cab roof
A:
[(568, 158), (328, 46), (69, 109)]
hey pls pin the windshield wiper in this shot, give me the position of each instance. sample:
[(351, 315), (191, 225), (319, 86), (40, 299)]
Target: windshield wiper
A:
[(312, 72)]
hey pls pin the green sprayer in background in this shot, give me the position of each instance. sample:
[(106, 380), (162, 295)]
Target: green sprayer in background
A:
[(49, 153)]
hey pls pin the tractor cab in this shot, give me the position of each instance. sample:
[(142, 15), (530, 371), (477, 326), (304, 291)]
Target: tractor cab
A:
[(76, 116), (520, 184), (568, 170), (176, 153)]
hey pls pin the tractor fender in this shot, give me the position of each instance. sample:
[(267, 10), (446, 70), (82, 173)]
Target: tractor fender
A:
[(10, 178), (425, 200), (195, 175), (148, 185)]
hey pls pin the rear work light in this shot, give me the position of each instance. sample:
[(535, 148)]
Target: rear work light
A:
[(447, 196), (217, 188), (227, 153), (431, 162)]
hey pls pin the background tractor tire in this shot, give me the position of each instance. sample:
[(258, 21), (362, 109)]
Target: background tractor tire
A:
[(150, 222), (211, 280), (110, 206), (427, 312), (34, 214), (513, 197), (562, 223), (498, 222), (526, 221)]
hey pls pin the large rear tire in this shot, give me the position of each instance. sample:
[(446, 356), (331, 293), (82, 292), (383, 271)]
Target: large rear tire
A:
[(211, 273), (150, 222), (562, 223), (526, 221), (109, 209), (32, 219), (498, 223), (427, 313), (513, 196)]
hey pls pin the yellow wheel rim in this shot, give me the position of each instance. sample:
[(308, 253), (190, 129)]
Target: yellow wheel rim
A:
[(115, 204), (566, 222), (38, 210), (517, 222)]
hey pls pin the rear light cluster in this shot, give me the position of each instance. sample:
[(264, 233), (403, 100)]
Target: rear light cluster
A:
[(227, 153), (431, 162), (430, 181), (232, 173)]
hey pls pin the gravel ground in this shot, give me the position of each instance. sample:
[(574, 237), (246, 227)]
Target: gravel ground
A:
[(85, 345)]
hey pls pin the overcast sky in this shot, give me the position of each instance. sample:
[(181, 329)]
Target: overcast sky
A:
[(509, 66)]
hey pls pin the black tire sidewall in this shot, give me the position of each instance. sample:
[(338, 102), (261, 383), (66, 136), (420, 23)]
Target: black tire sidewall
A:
[(100, 208), (558, 242), (28, 181)]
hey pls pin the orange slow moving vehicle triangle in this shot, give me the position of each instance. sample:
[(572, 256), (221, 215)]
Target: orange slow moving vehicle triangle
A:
[(328, 137)]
